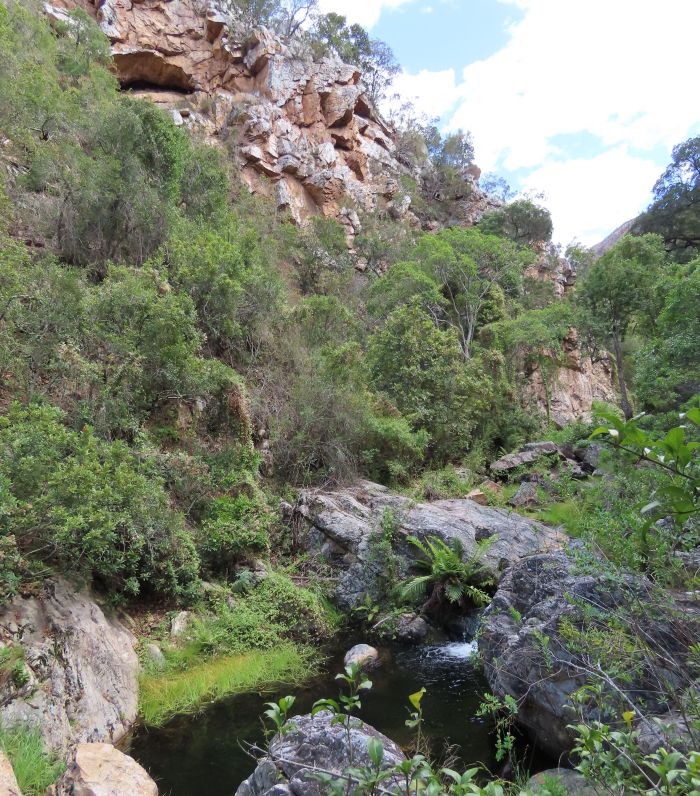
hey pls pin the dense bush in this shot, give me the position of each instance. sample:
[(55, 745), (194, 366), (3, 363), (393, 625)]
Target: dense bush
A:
[(90, 507)]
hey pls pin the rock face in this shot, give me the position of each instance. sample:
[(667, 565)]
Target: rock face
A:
[(578, 382), (305, 131), (8, 781), (545, 596), (315, 743), (570, 782), (79, 681), (345, 526), (98, 769)]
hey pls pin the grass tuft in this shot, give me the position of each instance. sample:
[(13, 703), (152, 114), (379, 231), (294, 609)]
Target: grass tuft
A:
[(162, 696), (34, 767)]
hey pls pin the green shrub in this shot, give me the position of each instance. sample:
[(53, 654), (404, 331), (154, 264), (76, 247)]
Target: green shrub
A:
[(91, 507), (233, 527)]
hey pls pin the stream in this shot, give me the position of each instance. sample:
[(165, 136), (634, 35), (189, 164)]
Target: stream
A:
[(202, 753)]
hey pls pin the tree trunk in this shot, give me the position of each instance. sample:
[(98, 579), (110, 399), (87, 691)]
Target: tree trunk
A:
[(624, 399)]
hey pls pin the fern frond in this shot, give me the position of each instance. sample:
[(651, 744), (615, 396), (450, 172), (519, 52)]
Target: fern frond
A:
[(415, 588)]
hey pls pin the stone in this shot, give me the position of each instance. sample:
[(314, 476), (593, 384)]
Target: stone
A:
[(491, 486), (179, 624), (82, 668), (526, 455), (341, 527), (155, 655), (8, 781), (525, 497), (572, 782), (98, 769), (544, 596), (312, 743), (479, 496), (412, 629), (363, 656)]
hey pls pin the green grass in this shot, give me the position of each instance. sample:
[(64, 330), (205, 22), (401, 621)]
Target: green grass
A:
[(566, 514), (34, 768), (162, 696)]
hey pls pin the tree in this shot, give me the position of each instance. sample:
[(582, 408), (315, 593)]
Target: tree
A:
[(352, 44), (467, 265), (421, 370), (617, 292), (522, 221), (675, 212), (668, 366)]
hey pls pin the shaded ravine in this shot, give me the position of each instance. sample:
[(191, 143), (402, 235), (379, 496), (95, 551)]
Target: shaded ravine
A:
[(205, 751)]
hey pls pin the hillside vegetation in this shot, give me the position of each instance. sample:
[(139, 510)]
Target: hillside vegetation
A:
[(176, 357)]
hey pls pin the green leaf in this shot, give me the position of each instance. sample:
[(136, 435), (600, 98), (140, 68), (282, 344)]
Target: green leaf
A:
[(415, 699), (375, 750)]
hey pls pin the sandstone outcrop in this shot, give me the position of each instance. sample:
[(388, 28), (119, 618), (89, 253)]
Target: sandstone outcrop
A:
[(549, 597), (8, 781), (304, 131), (314, 743), (344, 527), (78, 680), (578, 382), (98, 769)]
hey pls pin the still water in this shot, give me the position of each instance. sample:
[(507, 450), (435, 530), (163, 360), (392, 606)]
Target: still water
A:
[(203, 755)]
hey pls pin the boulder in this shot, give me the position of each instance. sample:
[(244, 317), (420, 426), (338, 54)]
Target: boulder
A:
[(8, 781), (80, 678), (528, 454), (179, 624), (525, 497), (98, 769), (155, 655), (561, 781), (363, 656), (478, 496), (315, 743), (412, 629), (344, 527), (537, 636)]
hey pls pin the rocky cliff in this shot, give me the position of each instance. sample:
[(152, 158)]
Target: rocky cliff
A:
[(303, 131)]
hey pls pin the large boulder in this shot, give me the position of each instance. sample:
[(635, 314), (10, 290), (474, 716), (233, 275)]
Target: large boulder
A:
[(315, 744), (554, 626), (346, 527), (98, 769), (79, 677)]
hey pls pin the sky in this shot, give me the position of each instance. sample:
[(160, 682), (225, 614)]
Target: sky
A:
[(581, 100)]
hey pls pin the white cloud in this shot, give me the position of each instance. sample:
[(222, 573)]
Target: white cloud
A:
[(365, 12), (433, 93), (589, 197), (620, 71)]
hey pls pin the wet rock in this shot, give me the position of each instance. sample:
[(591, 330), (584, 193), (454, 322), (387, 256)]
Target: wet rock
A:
[(98, 769), (8, 781), (363, 656), (566, 781), (543, 597), (343, 528), (412, 629), (81, 668), (315, 742)]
